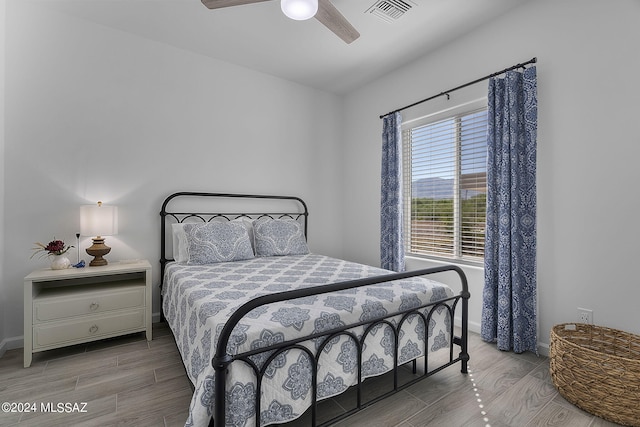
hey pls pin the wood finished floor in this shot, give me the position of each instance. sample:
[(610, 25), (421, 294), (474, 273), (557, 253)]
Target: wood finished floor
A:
[(131, 382)]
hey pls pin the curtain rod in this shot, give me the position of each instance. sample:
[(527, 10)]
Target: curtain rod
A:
[(447, 92)]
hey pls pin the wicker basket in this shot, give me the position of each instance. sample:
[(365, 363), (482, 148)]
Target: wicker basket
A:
[(598, 370)]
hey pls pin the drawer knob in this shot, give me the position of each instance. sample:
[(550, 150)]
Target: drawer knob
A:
[(94, 306), (93, 329)]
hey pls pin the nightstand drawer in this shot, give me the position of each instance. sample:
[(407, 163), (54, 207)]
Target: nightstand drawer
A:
[(61, 305), (88, 328)]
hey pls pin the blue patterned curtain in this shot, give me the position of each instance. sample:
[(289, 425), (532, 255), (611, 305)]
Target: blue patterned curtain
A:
[(509, 297), (391, 243)]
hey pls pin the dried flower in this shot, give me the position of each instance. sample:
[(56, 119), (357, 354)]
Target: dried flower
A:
[(54, 247)]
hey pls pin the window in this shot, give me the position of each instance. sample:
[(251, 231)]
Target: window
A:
[(446, 186)]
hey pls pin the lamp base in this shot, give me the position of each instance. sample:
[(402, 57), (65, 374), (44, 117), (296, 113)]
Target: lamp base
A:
[(98, 250)]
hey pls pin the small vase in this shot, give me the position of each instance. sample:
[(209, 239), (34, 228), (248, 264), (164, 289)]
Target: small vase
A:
[(60, 262)]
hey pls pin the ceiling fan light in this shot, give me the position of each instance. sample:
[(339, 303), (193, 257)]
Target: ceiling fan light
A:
[(299, 9)]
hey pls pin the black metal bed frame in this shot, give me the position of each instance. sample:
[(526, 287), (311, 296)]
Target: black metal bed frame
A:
[(222, 360)]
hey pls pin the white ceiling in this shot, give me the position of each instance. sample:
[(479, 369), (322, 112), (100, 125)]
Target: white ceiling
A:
[(260, 37)]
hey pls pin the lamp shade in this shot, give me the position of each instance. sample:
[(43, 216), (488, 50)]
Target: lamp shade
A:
[(299, 9), (98, 220)]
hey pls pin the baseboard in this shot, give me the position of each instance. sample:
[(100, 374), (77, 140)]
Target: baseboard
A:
[(543, 349), (473, 326), (10, 344), (18, 342)]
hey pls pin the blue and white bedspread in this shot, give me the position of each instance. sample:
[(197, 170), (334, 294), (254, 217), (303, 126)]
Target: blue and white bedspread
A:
[(199, 299)]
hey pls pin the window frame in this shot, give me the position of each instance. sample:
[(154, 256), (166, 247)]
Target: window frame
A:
[(448, 113)]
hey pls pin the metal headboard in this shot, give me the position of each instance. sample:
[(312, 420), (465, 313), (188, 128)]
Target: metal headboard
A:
[(300, 213)]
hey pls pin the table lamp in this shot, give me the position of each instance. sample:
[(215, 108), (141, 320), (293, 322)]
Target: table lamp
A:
[(98, 220)]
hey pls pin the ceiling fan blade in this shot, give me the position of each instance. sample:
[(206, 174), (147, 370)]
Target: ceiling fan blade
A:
[(335, 21), (218, 4)]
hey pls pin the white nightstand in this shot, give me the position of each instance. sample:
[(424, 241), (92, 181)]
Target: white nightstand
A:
[(77, 305)]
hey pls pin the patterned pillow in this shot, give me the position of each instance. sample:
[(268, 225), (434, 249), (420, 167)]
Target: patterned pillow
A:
[(279, 237), (213, 242)]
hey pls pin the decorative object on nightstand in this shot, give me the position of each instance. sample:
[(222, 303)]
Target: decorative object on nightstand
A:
[(55, 250), (60, 262), (98, 220), (78, 305)]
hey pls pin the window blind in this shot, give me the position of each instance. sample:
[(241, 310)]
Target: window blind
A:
[(445, 186)]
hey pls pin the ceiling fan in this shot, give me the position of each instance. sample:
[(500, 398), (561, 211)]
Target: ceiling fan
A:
[(323, 10)]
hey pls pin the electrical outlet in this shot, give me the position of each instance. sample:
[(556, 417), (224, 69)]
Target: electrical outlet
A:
[(585, 316)]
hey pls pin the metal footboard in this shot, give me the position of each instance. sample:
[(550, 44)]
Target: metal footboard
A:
[(222, 359)]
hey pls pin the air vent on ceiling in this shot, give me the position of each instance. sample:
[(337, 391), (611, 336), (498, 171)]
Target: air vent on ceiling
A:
[(390, 10)]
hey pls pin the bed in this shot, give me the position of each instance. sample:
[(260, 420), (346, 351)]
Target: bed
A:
[(280, 329)]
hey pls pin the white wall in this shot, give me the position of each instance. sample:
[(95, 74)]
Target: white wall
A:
[(588, 148), (3, 311), (93, 114)]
